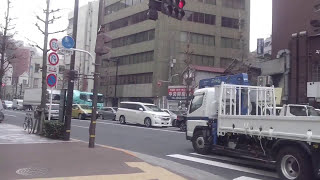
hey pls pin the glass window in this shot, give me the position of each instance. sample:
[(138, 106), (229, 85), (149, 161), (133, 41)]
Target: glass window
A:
[(151, 35), (83, 97), (199, 38), (153, 108), (298, 110), (196, 17), (201, 18), (196, 102)]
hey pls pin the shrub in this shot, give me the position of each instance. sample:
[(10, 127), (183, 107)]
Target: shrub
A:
[(54, 129)]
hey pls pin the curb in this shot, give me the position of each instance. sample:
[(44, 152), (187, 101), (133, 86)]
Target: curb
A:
[(110, 147)]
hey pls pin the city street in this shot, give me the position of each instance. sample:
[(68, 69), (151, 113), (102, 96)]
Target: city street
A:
[(159, 144)]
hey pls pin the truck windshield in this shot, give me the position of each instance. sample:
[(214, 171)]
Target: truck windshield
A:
[(153, 108), (196, 102), (100, 98)]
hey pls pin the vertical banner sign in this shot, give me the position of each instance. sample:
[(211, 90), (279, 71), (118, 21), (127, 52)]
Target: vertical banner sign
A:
[(260, 46)]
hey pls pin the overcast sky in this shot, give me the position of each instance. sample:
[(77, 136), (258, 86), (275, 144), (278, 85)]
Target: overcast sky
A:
[(26, 10)]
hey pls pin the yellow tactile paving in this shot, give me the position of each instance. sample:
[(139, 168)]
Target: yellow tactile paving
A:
[(149, 172)]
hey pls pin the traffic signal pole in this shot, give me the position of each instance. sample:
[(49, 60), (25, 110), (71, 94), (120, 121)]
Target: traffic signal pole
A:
[(100, 50), (67, 124)]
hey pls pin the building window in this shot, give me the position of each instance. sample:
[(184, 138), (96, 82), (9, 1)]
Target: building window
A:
[(225, 62), (230, 22), (200, 17), (230, 43), (202, 60), (142, 16), (24, 82), (196, 38), (143, 78), (213, 2), (36, 68), (316, 73), (120, 5), (133, 39), (131, 59), (134, 19), (235, 4)]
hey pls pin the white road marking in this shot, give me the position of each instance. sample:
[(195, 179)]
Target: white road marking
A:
[(17, 112), (10, 115), (115, 124), (141, 127), (245, 178), (224, 165), (80, 126)]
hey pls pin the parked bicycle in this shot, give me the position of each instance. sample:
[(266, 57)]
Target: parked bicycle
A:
[(28, 123)]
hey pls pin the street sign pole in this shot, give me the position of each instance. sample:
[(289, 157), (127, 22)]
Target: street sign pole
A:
[(50, 106)]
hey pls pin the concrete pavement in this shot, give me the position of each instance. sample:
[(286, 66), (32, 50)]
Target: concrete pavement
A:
[(41, 158), (165, 147)]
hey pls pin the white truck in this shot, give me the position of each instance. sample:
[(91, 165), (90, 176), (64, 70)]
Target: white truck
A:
[(234, 120)]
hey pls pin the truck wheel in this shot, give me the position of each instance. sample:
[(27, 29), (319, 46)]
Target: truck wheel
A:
[(294, 164), (199, 143)]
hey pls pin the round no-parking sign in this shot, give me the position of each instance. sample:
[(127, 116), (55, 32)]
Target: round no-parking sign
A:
[(51, 80)]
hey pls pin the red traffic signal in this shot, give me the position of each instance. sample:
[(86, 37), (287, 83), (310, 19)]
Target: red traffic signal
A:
[(181, 4)]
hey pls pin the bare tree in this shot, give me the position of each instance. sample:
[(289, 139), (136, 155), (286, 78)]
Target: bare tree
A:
[(47, 21), (6, 43)]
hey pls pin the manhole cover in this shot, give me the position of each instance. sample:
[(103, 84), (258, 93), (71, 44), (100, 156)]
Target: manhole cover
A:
[(32, 171)]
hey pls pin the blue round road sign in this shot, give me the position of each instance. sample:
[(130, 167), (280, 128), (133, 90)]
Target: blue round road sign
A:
[(68, 42), (51, 80)]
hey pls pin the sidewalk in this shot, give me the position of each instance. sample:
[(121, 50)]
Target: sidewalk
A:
[(25, 156)]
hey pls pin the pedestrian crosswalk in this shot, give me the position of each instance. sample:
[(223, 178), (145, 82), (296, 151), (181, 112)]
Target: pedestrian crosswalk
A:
[(229, 163)]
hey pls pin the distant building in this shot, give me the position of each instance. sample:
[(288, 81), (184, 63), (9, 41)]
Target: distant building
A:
[(145, 48), (86, 40)]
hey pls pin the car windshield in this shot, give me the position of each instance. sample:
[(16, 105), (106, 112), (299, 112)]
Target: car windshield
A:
[(8, 102), (55, 107), (153, 108), (83, 106)]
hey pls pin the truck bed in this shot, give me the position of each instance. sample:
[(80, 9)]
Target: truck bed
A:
[(256, 120)]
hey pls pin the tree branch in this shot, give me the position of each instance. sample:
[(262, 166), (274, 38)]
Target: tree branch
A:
[(34, 44), (39, 28), (58, 31), (54, 18), (40, 19), (53, 11)]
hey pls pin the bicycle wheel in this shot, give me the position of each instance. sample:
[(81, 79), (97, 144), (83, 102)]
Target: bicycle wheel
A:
[(25, 123), (30, 125)]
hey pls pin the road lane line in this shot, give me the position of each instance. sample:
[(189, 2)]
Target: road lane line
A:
[(10, 115), (245, 178), (224, 165), (80, 126), (141, 127)]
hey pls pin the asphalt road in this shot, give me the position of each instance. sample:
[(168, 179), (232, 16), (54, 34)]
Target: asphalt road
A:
[(165, 143)]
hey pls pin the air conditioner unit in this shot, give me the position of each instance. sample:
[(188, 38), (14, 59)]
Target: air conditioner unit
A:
[(265, 81)]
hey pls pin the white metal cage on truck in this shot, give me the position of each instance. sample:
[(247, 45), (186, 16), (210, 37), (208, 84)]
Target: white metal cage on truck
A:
[(242, 121)]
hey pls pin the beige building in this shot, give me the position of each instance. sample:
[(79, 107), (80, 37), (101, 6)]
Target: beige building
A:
[(150, 51)]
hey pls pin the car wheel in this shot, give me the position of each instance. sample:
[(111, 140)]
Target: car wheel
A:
[(122, 120), (199, 143), (147, 122), (174, 123), (294, 164)]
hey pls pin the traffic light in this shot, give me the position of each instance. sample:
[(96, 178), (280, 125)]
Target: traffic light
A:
[(102, 42), (174, 8), (154, 7)]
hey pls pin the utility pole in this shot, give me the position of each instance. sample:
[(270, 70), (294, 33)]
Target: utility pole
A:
[(67, 124), (100, 50)]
